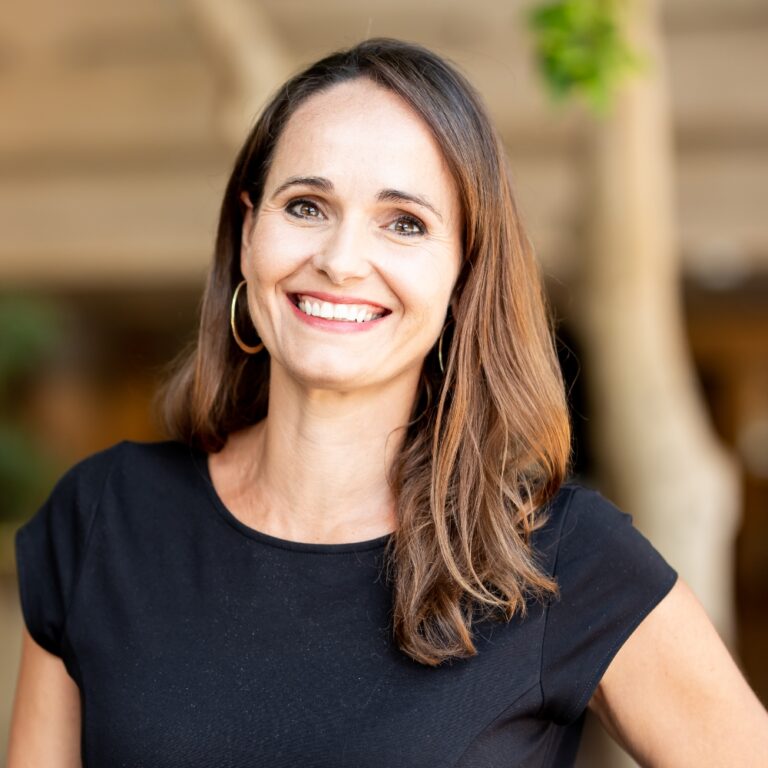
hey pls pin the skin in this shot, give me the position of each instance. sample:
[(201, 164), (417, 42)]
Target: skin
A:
[(45, 724), (672, 695), (337, 401), (674, 698)]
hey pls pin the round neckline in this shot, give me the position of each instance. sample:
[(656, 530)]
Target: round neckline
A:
[(200, 460)]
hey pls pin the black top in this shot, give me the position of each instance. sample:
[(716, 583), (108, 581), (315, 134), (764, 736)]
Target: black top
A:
[(198, 641)]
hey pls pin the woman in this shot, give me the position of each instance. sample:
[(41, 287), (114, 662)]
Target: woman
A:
[(359, 550)]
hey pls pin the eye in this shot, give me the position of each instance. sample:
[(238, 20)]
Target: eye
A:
[(304, 209), (408, 226)]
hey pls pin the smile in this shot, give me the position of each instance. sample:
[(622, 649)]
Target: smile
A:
[(349, 313)]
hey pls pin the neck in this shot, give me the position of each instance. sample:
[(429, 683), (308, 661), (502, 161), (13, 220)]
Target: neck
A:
[(316, 468)]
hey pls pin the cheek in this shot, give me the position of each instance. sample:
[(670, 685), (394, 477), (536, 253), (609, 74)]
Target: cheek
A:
[(424, 285), (276, 251)]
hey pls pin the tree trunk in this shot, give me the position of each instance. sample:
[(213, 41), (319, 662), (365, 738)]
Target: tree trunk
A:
[(657, 453)]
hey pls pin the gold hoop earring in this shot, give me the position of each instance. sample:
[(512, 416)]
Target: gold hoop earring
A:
[(440, 348), (240, 343)]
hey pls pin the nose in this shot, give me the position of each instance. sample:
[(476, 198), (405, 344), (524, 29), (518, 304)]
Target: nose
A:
[(342, 257)]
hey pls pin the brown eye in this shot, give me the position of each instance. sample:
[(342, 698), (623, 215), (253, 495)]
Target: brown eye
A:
[(408, 226), (304, 209)]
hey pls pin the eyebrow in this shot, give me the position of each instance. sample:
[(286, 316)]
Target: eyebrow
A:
[(396, 196), (385, 195), (318, 182)]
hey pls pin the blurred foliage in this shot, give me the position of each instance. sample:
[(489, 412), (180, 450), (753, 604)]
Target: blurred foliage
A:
[(580, 50), (24, 470), (30, 331)]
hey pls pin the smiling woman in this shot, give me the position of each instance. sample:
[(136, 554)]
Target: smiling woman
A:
[(358, 548)]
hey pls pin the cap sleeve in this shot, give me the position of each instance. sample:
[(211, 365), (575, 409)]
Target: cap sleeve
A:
[(610, 577), (50, 550)]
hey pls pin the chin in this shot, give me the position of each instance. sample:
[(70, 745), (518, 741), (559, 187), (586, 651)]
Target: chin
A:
[(329, 376)]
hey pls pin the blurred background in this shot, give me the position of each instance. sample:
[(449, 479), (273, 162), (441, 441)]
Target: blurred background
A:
[(638, 139)]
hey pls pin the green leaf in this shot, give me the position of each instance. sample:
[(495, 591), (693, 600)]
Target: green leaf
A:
[(579, 50)]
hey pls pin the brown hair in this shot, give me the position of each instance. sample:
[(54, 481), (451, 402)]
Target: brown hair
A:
[(489, 442)]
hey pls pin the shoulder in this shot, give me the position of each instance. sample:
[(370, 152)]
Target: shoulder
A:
[(576, 503), (123, 469), (609, 578), (51, 547), (132, 453), (575, 517), (87, 477), (74, 496), (587, 536)]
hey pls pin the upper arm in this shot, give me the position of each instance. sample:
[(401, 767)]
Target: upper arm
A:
[(45, 725), (51, 549), (673, 696)]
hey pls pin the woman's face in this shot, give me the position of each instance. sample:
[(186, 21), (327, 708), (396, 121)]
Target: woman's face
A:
[(354, 250)]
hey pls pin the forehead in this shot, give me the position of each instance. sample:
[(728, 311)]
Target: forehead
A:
[(360, 129)]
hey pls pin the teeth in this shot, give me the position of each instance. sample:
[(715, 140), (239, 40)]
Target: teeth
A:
[(358, 313)]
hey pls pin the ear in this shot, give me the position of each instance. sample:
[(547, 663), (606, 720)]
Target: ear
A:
[(246, 235)]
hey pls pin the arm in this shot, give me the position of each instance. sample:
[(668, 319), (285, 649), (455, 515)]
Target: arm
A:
[(673, 696), (45, 725)]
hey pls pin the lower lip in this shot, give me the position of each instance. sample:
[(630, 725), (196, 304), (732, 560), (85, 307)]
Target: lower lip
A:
[(339, 326)]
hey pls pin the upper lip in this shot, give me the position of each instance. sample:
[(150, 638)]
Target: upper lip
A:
[(333, 299)]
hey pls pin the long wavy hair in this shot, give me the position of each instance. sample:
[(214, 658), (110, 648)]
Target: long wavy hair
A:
[(488, 443)]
